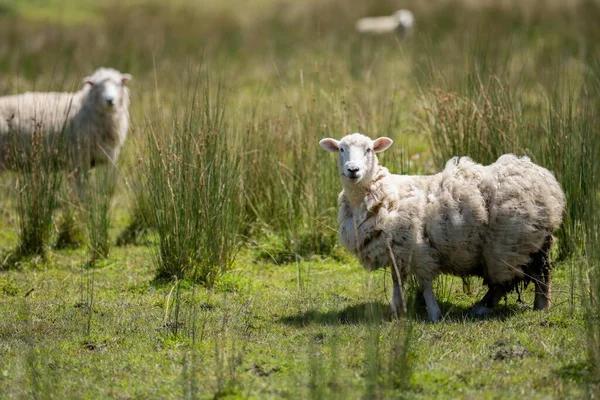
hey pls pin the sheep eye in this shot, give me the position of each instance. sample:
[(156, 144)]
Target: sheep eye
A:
[(341, 150), (368, 151)]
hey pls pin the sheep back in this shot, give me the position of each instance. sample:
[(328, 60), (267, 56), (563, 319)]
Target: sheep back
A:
[(457, 216), (467, 220), (526, 205), (91, 137), (21, 116)]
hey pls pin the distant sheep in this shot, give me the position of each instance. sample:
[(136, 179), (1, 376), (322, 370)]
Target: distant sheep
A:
[(93, 121), (469, 220), (401, 23)]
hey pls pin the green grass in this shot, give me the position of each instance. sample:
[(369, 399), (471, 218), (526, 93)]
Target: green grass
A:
[(230, 282), (192, 180), (37, 184), (88, 11), (257, 331), (71, 11), (97, 208)]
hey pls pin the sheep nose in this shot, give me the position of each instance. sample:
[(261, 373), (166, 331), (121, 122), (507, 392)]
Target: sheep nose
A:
[(352, 172), (110, 102)]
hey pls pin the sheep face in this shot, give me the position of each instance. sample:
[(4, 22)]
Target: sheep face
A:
[(405, 18), (357, 161), (107, 88)]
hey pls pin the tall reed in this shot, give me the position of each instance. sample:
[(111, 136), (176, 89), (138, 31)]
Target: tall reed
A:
[(193, 178), (291, 183), (590, 260), (97, 200), (37, 160)]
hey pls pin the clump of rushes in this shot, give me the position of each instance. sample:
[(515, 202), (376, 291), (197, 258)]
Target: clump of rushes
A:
[(591, 299), (69, 229), (192, 176), (134, 233), (482, 122), (37, 162), (292, 189), (568, 144), (68, 233), (97, 201), (588, 219)]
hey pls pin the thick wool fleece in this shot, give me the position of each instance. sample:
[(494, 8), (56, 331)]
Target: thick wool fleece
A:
[(467, 220), (526, 205), (92, 134)]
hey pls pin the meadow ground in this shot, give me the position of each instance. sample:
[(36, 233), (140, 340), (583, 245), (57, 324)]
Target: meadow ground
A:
[(227, 281), (306, 330)]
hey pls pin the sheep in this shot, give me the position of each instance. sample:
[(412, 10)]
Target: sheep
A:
[(493, 221), (401, 22), (94, 120)]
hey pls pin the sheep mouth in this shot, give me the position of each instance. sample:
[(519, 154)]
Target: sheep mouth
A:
[(353, 177)]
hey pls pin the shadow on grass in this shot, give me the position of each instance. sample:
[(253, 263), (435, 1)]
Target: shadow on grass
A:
[(17, 259), (364, 313), (166, 283), (137, 233), (580, 372), (377, 312), (461, 313)]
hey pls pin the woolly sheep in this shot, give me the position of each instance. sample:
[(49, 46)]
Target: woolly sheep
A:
[(469, 220), (94, 120), (401, 22)]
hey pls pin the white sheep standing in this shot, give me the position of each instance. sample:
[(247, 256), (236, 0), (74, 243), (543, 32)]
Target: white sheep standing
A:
[(94, 121), (491, 221), (401, 22)]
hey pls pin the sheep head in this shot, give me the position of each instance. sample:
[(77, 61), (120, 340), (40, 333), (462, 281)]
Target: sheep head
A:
[(107, 87), (357, 162), (405, 18)]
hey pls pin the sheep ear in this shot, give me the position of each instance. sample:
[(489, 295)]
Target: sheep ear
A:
[(125, 78), (331, 145), (88, 79), (381, 144)]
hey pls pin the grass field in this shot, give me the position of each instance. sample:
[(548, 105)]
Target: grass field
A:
[(228, 281), (271, 331)]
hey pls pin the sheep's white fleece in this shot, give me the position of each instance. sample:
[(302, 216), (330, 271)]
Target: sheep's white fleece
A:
[(467, 220), (401, 22), (92, 134)]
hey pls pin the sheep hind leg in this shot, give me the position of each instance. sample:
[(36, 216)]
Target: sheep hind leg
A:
[(541, 268), (397, 306), (486, 305), (433, 309)]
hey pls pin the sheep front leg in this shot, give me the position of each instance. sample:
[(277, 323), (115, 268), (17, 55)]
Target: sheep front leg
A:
[(433, 309), (81, 184), (397, 303), (397, 306)]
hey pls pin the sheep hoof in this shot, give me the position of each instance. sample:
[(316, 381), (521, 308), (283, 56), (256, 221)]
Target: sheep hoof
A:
[(395, 312), (481, 310), (541, 302), (435, 316)]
